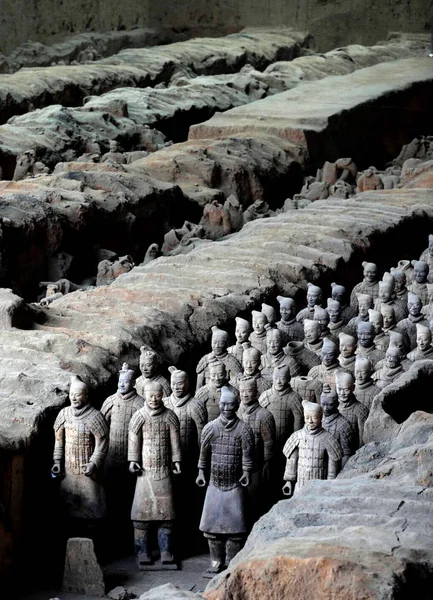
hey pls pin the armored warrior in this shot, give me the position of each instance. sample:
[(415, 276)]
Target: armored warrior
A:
[(81, 445), (364, 304), (312, 340), (339, 294), (400, 288), (258, 335), (219, 343), (390, 325), (420, 280), (355, 412), (338, 426), (347, 355), (311, 453), (275, 357), (424, 349), (270, 313), (291, 329), (381, 340), (398, 341), (392, 368), (314, 298), (154, 452), (305, 358), (242, 335), (262, 425), (369, 285), (365, 389), (150, 365), (415, 317), (322, 317), (325, 372), (227, 448), (366, 347), (251, 363), (210, 394), (336, 321), (387, 297)]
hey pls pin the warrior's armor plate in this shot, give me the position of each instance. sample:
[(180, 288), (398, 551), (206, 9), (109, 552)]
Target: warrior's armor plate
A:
[(118, 410)]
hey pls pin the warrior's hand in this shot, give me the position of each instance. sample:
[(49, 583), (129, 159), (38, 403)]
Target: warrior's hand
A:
[(56, 469), (245, 479), (135, 468), (201, 480), (289, 488), (176, 468), (89, 469)]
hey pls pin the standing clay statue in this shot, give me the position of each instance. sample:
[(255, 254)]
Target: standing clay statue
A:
[(355, 412), (311, 453), (407, 268), (424, 349), (270, 313), (387, 296), (306, 359), (325, 373), (366, 347), (291, 329), (258, 335), (365, 303), (114, 156), (219, 344), (152, 253), (339, 294), (234, 209), (210, 394), (369, 180), (251, 363), (313, 341), (154, 453), (409, 325), (262, 425), (150, 365), (338, 426), (336, 321), (314, 298), (276, 357), (369, 285), (24, 165), (381, 340), (215, 221), (427, 255), (400, 288), (227, 449), (390, 323), (391, 370), (346, 170), (347, 349), (322, 317), (399, 341), (365, 388), (420, 280), (242, 335), (81, 445)]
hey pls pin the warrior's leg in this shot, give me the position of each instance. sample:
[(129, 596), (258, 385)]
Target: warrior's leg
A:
[(141, 542), (233, 546), (217, 551), (165, 542)]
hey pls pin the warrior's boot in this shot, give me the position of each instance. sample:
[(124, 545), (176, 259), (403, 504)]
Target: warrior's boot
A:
[(165, 543), (233, 546), (217, 551), (141, 543)]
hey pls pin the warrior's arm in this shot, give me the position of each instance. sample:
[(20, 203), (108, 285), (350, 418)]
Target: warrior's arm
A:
[(268, 433), (176, 455), (291, 471), (205, 447), (59, 443), (135, 439), (333, 468), (101, 445), (298, 416)]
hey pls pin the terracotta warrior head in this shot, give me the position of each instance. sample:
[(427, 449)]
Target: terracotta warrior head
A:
[(229, 403), (78, 393), (274, 341), (386, 288), (420, 271), (219, 341), (414, 304), (154, 393), (248, 391), (312, 415), (345, 384), (338, 293), (398, 341), (363, 370), (179, 382), (314, 295), (423, 337), (270, 313), (392, 357), (114, 146), (322, 317), (242, 330), (347, 345), (312, 331), (329, 403), (333, 308), (259, 322), (217, 374), (251, 360), (329, 353), (149, 362), (375, 317), (399, 279), (365, 301), (281, 378), (365, 333), (287, 308), (370, 272), (388, 314), (127, 379)]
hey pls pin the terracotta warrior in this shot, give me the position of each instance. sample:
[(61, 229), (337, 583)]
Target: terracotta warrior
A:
[(391, 370), (210, 394), (305, 358), (215, 220), (291, 329), (400, 288), (154, 453), (346, 170), (365, 303), (242, 335), (349, 407), (313, 341), (227, 450), (427, 255), (115, 155), (322, 317), (285, 405), (369, 180), (420, 280), (409, 325), (311, 452), (275, 356), (262, 425), (150, 365), (369, 285), (399, 341), (387, 297), (366, 347), (314, 298), (338, 293), (270, 313), (390, 323), (365, 388), (325, 372), (336, 322), (381, 340), (347, 349), (258, 335), (338, 426), (24, 165), (81, 445), (407, 268), (251, 364), (424, 349), (219, 344)]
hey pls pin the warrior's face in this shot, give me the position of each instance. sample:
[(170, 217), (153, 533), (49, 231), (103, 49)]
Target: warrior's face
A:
[(423, 341), (273, 342), (363, 308), (414, 307), (154, 397), (313, 420), (259, 322), (347, 349), (344, 389), (420, 273), (370, 274), (126, 383), (362, 375), (313, 298), (78, 397), (219, 345), (179, 385), (329, 357), (250, 364), (242, 333), (334, 315), (286, 312), (376, 321), (217, 376), (228, 408), (148, 366), (247, 393), (329, 404)]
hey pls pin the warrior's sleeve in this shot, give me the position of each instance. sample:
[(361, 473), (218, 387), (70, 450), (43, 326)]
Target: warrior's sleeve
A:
[(199, 415), (173, 421), (106, 409), (205, 447), (268, 432), (135, 437), (264, 399), (291, 453), (362, 417), (202, 364), (247, 448), (335, 454), (313, 372), (298, 413), (347, 439), (59, 436), (99, 428), (295, 369)]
